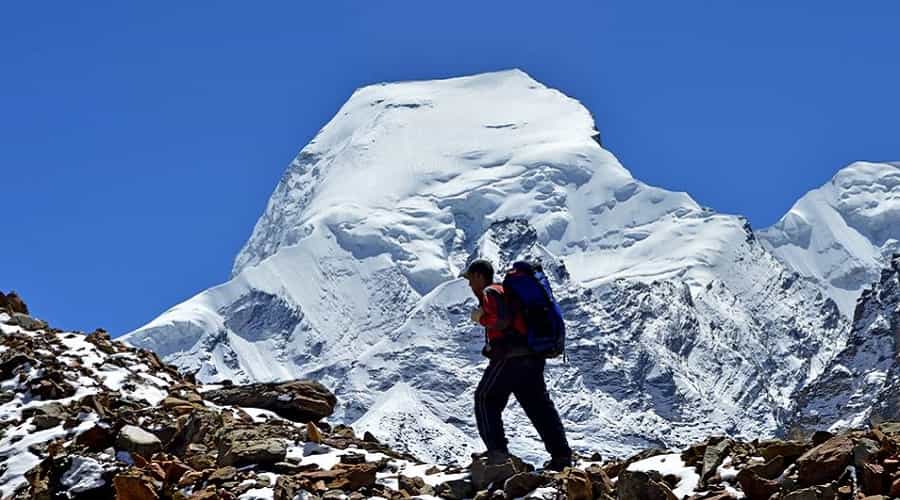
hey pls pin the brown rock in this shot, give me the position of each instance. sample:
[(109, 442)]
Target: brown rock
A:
[(576, 484), (412, 486), (633, 485), (820, 437), (756, 487), (46, 416), (298, 400), (240, 446), (11, 360), (790, 450), (189, 478), (601, 482), (13, 303), (873, 479), (522, 483), (895, 487), (340, 477), (312, 433), (51, 389), (222, 475), (456, 489), (96, 438), (134, 486), (485, 474), (825, 462)]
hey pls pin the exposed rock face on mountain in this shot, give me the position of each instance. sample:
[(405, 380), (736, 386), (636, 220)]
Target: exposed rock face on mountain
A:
[(682, 322), (843, 233), (861, 386)]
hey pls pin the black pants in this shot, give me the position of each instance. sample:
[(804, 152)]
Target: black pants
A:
[(523, 377)]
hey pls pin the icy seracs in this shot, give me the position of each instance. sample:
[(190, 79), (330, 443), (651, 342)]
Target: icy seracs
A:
[(682, 322)]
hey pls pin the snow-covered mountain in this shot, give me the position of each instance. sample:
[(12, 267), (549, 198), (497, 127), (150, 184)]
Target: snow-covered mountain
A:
[(682, 322), (844, 232), (861, 385)]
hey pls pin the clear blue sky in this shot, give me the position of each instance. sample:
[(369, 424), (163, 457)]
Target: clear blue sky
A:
[(139, 141)]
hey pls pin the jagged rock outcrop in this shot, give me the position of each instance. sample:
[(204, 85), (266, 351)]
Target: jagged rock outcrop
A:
[(861, 385), (298, 400)]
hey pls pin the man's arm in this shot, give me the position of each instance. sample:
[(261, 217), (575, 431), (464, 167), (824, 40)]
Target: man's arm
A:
[(496, 313)]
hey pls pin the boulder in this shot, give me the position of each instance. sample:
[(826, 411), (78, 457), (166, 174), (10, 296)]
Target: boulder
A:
[(865, 451), (713, 456), (634, 485), (412, 486), (46, 416), (12, 303), (756, 487), (133, 439), (523, 483), (825, 462), (576, 484), (11, 360), (790, 450), (98, 437), (601, 482), (27, 322), (134, 486), (820, 437), (456, 489), (340, 477), (223, 474), (872, 479), (246, 451), (298, 400), (485, 475)]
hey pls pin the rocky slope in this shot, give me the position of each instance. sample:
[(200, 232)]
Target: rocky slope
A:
[(861, 385), (85, 417), (683, 323)]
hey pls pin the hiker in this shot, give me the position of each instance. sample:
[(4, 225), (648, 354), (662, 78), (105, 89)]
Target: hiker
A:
[(514, 368)]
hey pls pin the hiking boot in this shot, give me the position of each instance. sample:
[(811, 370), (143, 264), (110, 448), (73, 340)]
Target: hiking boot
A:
[(557, 464)]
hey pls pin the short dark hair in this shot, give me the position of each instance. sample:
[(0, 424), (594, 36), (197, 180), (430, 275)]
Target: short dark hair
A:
[(482, 267)]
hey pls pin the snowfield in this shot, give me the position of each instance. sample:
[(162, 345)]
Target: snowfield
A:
[(683, 322)]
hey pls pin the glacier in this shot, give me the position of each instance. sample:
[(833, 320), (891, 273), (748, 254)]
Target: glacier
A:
[(684, 321)]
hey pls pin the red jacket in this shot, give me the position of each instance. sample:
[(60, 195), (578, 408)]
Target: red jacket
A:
[(499, 320)]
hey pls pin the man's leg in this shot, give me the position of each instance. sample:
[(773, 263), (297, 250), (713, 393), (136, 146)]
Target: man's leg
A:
[(491, 397), (531, 392)]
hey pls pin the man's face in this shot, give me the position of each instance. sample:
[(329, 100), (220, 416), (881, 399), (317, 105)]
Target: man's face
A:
[(477, 282)]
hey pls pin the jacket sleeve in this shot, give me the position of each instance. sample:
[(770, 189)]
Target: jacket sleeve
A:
[(496, 313)]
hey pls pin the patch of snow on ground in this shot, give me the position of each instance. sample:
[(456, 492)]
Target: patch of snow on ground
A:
[(84, 474), (671, 464)]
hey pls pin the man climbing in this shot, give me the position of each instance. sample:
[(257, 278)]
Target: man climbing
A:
[(514, 368)]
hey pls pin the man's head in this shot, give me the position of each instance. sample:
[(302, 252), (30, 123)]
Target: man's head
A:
[(480, 274)]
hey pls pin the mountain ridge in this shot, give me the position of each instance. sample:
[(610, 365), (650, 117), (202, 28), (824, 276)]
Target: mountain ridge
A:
[(357, 287)]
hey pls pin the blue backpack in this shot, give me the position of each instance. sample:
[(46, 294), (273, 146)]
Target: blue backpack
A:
[(528, 292)]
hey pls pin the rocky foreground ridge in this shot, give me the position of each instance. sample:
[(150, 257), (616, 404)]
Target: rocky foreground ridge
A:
[(86, 417)]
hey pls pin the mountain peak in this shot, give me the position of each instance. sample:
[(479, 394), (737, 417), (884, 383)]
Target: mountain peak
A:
[(842, 233)]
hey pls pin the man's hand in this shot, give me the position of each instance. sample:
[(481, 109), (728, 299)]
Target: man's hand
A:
[(476, 315)]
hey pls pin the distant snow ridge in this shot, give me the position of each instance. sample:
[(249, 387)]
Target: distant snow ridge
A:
[(844, 232), (682, 321)]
